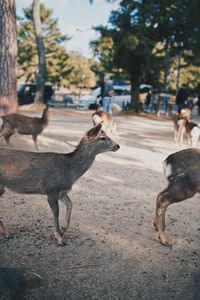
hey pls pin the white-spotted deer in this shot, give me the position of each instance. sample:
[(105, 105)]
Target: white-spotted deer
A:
[(51, 174)]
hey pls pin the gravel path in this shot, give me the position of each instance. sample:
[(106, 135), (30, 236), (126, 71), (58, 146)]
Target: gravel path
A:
[(112, 250)]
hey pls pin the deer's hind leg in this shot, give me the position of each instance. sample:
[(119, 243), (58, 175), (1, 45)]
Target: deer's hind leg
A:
[(66, 200), (172, 194), (6, 132), (3, 229)]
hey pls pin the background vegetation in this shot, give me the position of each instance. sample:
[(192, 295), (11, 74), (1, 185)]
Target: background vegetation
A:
[(153, 41)]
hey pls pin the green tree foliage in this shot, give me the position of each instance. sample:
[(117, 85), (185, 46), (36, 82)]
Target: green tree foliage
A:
[(138, 26), (56, 55), (81, 74)]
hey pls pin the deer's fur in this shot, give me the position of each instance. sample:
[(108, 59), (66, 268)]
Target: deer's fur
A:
[(51, 174), (23, 125)]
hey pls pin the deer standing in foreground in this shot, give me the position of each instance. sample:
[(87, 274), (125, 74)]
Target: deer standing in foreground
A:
[(51, 174), (24, 125), (182, 170)]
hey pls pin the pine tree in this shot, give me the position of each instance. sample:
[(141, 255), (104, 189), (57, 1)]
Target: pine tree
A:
[(56, 56)]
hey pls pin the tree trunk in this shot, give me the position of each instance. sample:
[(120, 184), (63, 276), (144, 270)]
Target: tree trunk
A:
[(39, 97), (178, 71), (8, 57), (167, 67), (135, 91)]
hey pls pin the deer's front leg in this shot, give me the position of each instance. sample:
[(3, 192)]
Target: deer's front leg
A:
[(3, 229), (66, 200), (53, 203)]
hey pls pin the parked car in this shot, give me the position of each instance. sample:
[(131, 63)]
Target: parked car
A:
[(26, 93)]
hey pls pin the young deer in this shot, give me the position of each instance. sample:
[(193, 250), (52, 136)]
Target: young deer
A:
[(182, 170), (23, 125), (108, 124), (51, 174), (192, 131), (180, 120)]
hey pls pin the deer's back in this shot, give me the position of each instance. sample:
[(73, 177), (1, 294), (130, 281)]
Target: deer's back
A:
[(34, 173), (184, 167), (24, 124), (104, 115), (189, 126)]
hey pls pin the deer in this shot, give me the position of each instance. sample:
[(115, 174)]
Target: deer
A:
[(182, 170), (180, 120), (106, 119), (192, 131), (23, 125), (52, 174)]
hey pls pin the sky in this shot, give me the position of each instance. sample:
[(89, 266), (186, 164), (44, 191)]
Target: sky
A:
[(76, 19)]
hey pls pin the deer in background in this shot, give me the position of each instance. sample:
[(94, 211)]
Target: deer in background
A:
[(192, 131), (184, 126), (108, 123), (180, 120), (23, 125), (182, 170), (51, 174)]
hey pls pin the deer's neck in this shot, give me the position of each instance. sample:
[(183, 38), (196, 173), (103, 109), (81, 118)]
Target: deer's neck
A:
[(45, 118), (80, 161)]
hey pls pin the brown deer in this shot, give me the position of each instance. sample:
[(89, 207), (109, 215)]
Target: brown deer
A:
[(51, 174), (24, 125), (108, 123), (192, 131), (182, 170), (180, 120)]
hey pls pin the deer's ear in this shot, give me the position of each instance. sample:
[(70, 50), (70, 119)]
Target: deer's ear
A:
[(94, 131)]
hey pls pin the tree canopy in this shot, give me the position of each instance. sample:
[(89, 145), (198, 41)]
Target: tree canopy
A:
[(135, 30)]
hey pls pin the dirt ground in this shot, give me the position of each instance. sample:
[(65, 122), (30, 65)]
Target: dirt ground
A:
[(112, 250)]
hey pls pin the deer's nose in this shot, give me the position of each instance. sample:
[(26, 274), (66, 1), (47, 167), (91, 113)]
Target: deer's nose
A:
[(116, 147)]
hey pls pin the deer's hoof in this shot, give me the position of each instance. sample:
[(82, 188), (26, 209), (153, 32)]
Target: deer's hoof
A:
[(59, 240), (167, 244), (164, 241), (4, 232)]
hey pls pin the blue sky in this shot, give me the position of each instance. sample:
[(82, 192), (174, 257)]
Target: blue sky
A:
[(76, 14)]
